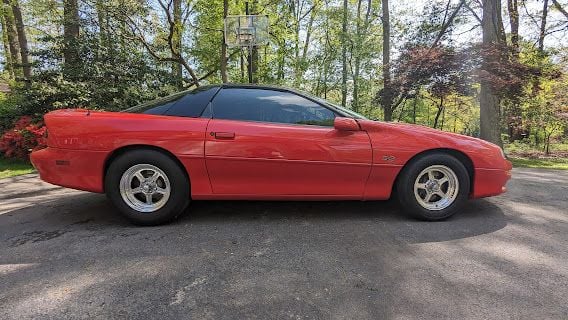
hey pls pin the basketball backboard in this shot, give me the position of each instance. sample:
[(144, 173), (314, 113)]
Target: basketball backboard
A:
[(246, 30)]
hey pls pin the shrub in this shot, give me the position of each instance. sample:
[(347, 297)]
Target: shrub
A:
[(25, 137)]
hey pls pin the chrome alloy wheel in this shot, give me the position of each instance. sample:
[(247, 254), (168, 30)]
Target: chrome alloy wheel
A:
[(145, 188), (436, 187)]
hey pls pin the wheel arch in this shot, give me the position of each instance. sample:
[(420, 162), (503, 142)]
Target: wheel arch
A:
[(125, 149), (459, 155)]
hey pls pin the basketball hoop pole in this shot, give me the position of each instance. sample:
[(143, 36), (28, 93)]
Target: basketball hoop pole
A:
[(249, 49)]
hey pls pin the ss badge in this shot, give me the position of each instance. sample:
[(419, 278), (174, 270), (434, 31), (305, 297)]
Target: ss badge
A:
[(389, 158)]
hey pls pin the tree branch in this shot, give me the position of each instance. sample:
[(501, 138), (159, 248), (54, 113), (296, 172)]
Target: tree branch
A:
[(447, 24), (559, 7)]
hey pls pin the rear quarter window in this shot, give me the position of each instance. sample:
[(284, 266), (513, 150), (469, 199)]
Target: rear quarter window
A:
[(182, 104), (193, 104)]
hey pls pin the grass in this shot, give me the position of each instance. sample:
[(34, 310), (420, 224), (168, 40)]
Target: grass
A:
[(544, 163), (11, 168), (527, 155)]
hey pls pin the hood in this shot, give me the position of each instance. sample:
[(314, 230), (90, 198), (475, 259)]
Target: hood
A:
[(422, 132)]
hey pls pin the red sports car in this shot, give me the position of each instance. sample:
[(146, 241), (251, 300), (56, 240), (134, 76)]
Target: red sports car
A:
[(261, 143)]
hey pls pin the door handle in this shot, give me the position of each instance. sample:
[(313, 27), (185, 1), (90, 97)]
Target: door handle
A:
[(224, 135)]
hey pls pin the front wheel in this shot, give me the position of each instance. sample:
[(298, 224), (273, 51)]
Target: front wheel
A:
[(433, 187), (147, 186)]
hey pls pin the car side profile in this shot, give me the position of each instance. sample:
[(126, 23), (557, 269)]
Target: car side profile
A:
[(243, 142)]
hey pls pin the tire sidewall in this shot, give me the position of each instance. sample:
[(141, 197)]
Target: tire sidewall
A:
[(405, 186), (179, 195)]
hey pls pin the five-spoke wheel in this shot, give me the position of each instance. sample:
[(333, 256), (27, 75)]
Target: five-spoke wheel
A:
[(436, 187), (147, 186), (433, 186)]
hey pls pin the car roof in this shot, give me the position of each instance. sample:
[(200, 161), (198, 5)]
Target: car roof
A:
[(254, 86)]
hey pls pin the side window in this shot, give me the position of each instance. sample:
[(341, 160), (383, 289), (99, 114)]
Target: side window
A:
[(269, 106)]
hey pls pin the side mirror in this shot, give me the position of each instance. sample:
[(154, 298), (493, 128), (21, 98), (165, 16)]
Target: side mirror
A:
[(345, 124)]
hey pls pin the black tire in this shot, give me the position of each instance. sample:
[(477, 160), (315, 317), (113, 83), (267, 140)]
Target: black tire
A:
[(179, 195), (409, 174)]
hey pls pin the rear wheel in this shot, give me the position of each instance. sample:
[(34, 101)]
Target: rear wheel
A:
[(147, 186), (433, 187)]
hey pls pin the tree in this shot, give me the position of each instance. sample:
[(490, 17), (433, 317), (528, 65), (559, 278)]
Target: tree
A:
[(176, 42), (344, 55), (9, 65), (489, 104), (360, 35), (11, 35), (387, 94), (138, 31), (223, 62), (71, 25), (395, 91), (513, 8), (22, 39), (542, 32), (512, 110)]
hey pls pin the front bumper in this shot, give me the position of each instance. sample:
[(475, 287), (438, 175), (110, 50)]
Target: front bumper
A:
[(491, 182), (77, 169)]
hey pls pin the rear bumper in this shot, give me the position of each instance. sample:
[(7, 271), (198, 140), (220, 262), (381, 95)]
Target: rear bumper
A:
[(491, 182), (77, 169)]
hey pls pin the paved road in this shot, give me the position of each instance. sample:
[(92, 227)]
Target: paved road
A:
[(67, 254)]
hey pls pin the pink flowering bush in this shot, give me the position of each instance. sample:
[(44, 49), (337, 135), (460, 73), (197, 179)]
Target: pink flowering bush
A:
[(25, 137)]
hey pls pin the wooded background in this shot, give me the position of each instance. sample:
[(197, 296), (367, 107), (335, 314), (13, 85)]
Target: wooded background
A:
[(479, 67)]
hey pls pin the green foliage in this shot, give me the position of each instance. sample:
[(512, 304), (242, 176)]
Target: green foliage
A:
[(126, 57), (14, 167), (10, 110)]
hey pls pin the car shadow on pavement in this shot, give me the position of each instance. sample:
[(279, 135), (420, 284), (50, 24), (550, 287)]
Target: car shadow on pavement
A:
[(475, 218), (80, 211)]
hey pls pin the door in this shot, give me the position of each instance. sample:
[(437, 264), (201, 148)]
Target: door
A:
[(268, 143)]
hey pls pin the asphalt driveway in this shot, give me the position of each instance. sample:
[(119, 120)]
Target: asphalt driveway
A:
[(67, 254)]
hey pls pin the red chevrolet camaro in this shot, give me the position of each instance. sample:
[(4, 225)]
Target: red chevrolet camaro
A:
[(261, 143)]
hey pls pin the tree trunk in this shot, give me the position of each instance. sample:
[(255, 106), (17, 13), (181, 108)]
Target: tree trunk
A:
[(492, 25), (295, 11), (547, 146), (514, 122), (5, 42), (70, 36), (301, 63), (254, 64), (513, 8), (388, 114), (439, 112), (22, 39), (12, 37), (281, 63), (386, 98), (414, 109), (242, 66), (360, 36), (357, 53), (344, 55), (176, 43), (104, 29), (542, 32), (223, 66)]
